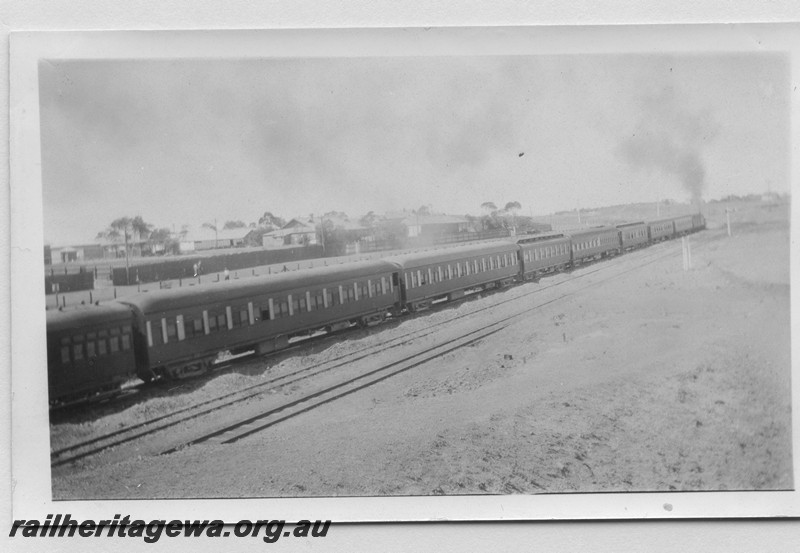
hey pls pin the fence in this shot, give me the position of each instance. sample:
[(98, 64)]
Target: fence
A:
[(58, 282), (185, 267)]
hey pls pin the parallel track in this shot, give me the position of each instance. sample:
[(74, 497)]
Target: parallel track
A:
[(236, 431)]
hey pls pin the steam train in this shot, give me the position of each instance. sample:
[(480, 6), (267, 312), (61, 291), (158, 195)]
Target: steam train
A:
[(168, 334)]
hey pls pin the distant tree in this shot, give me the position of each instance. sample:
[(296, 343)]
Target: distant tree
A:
[(369, 220), (341, 215), (164, 236), (160, 235), (234, 225), (141, 230), (489, 218), (512, 207), (127, 228), (268, 220), (424, 210)]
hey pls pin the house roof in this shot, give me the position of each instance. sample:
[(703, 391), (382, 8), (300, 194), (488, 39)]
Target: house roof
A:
[(206, 234)]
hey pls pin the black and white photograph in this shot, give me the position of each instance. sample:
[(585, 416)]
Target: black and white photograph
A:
[(543, 268)]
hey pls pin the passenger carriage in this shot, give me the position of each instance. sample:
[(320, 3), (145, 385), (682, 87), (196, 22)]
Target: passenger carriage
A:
[(698, 222), (661, 229), (182, 331), (448, 273), (543, 253), (594, 243), (683, 225), (89, 351), (633, 235)]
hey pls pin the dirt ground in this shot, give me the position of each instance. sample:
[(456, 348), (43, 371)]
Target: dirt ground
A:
[(655, 380)]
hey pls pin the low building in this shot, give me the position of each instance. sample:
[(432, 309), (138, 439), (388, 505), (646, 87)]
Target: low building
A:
[(429, 225), (297, 232), (209, 239), (83, 252)]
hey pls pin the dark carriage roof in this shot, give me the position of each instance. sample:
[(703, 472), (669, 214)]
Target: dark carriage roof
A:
[(451, 254), (548, 236), (188, 296), (102, 314), (635, 223), (659, 221), (589, 231)]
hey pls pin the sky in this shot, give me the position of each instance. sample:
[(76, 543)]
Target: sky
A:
[(188, 141)]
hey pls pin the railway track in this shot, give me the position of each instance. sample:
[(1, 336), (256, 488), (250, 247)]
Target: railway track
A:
[(254, 423)]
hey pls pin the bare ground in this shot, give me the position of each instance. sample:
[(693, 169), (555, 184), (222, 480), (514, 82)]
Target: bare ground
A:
[(658, 379)]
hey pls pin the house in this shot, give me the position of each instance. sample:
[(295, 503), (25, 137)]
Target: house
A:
[(306, 231), (429, 225), (209, 239), (299, 231), (83, 252)]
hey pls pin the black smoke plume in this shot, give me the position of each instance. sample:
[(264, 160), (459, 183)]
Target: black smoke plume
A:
[(670, 137)]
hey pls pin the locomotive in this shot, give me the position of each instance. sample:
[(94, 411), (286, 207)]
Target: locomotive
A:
[(169, 334)]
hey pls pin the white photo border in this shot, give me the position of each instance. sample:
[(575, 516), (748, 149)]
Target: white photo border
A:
[(31, 492)]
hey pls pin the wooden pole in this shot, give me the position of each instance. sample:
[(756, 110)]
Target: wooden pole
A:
[(728, 219), (685, 257), (689, 252)]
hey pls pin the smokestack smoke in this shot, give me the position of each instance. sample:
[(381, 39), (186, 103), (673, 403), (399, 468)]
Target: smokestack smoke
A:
[(670, 138)]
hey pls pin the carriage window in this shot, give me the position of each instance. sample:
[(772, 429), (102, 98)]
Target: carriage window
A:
[(283, 308), (212, 323), (90, 350), (126, 342), (333, 299), (244, 316), (198, 326), (265, 312), (363, 290), (77, 352), (102, 348), (222, 321), (188, 327), (113, 344), (65, 355), (172, 330)]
